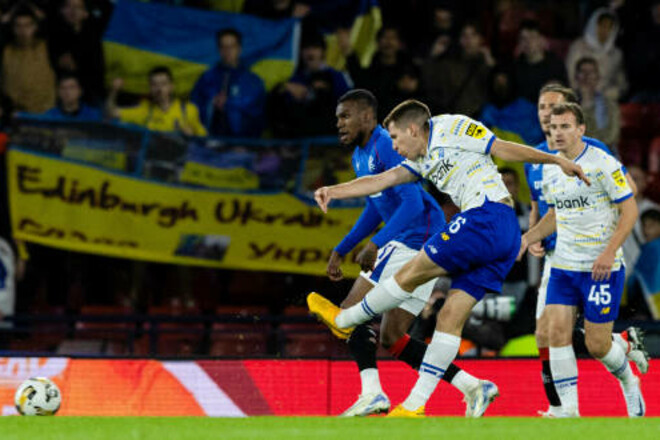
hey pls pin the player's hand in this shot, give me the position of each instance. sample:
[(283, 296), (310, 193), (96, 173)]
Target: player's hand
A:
[(572, 169), (334, 267), (536, 249), (323, 198), (602, 267), (367, 257), (523, 247)]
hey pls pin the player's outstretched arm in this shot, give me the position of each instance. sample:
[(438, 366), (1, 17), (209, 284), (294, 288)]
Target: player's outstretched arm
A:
[(512, 151), (628, 216), (363, 186), (546, 226)]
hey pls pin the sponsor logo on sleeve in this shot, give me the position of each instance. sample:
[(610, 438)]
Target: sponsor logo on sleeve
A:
[(475, 131), (619, 179)]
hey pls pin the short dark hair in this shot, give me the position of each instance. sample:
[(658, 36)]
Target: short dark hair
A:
[(530, 25), (569, 107), (651, 214), (384, 29), (229, 31), (509, 170), (66, 76), (158, 70), (585, 60), (313, 41), (606, 16), (568, 94), (408, 111), (23, 11), (361, 96)]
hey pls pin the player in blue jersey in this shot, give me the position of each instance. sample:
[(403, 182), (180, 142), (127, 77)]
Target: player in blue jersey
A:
[(587, 269), (631, 339), (477, 248), (410, 215)]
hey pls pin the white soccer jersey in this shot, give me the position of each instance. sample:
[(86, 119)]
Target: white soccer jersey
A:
[(587, 216), (458, 161)]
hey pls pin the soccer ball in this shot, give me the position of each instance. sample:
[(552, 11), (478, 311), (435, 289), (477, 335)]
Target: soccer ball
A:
[(38, 396)]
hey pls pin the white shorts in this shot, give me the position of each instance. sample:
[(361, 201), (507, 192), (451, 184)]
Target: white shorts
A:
[(543, 287), (392, 257)]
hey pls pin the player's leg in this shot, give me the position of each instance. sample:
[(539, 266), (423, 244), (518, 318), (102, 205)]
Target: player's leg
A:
[(563, 297), (362, 346), (542, 336), (601, 307), (394, 338)]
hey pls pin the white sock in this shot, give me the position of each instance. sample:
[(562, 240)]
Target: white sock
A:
[(618, 340), (385, 296), (440, 353), (616, 363), (565, 376), (465, 382), (370, 381)]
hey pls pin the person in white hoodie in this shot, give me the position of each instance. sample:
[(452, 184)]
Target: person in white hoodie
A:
[(598, 43)]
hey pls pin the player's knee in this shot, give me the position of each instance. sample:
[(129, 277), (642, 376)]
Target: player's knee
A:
[(558, 336), (598, 347), (542, 337)]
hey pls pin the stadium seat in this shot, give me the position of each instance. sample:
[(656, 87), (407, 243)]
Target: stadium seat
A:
[(106, 330), (239, 344), (313, 345), (633, 151), (654, 156), (633, 121)]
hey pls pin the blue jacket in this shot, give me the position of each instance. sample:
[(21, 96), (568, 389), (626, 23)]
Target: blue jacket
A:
[(245, 107), (85, 113)]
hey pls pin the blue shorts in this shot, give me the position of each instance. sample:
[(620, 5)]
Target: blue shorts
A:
[(478, 248), (599, 299)]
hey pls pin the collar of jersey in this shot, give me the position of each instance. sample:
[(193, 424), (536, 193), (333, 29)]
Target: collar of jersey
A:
[(374, 136), (586, 147), (428, 146)]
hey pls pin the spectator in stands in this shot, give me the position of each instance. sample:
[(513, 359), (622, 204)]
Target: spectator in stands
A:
[(459, 84), (643, 58), (512, 118), (70, 105), (305, 105), (644, 282), (598, 43), (162, 111), (27, 76), (387, 66), (634, 242), (440, 40), (74, 38), (601, 113), (230, 98), (535, 66)]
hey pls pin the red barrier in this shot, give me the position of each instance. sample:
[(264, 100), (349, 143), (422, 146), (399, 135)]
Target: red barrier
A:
[(260, 387)]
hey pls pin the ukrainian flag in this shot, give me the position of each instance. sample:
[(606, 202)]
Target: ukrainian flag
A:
[(141, 36)]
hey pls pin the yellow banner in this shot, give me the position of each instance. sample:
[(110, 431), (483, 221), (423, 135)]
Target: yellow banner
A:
[(82, 208)]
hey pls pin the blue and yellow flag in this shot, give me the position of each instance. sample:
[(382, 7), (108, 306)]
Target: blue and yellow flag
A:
[(141, 36)]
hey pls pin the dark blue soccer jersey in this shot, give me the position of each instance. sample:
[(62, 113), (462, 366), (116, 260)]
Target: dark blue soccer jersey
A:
[(410, 214), (534, 175)]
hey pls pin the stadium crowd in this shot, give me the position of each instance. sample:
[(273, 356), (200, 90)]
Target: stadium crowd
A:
[(485, 59)]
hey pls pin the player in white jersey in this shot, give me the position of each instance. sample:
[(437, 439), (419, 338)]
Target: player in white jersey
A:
[(477, 248), (631, 340), (587, 270)]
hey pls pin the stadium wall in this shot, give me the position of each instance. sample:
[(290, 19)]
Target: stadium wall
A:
[(226, 388)]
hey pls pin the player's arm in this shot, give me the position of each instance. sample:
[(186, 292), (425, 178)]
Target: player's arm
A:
[(365, 225), (512, 151), (546, 226), (363, 186), (536, 249), (628, 212)]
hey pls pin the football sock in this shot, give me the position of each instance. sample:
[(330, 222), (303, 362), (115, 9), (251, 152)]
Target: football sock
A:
[(616, 363), (546, 375), (411, 351), (439, 355), (565, 377), (362, 345), (383, 297), (621, 339)]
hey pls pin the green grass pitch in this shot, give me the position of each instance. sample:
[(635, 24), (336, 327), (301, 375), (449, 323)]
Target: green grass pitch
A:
[(318, 428)]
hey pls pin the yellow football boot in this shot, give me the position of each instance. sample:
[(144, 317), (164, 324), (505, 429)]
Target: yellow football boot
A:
[(326, 312), (400, 411)]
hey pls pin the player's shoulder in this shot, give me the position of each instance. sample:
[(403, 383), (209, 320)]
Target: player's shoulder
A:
[(600, 145)]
